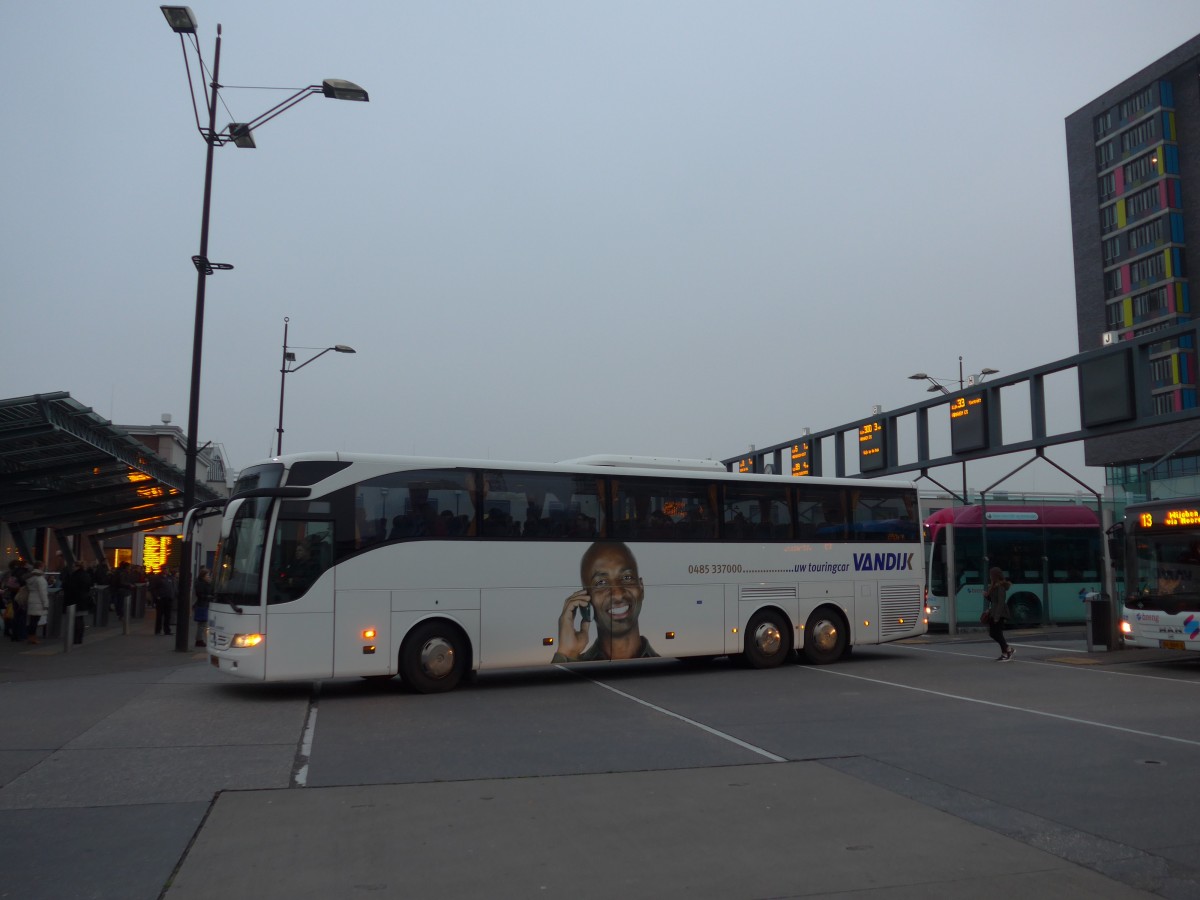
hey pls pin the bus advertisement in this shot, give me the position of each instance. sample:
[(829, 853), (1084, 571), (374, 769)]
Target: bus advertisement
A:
[(1049, 553), (1162, 574), (334, 565)]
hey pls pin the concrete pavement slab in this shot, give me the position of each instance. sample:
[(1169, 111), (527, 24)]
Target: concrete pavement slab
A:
[(125, 777), (122, 852), (795, 829)]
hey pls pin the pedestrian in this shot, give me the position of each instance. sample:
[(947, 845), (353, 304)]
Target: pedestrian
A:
[(162, 588), (8, 597), (200, 609), (38, 603), (77, 590), (119, 586), (15, 587), (996, 600)]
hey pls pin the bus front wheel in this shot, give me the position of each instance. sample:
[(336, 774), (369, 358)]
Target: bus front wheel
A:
[(768, 640), (824, 637), (433, 658)]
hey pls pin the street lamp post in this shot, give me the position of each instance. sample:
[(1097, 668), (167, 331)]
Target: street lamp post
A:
[(286, 369), (936, 386), (182, 21)]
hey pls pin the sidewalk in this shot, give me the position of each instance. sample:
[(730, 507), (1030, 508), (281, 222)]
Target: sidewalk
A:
[(104, 649)]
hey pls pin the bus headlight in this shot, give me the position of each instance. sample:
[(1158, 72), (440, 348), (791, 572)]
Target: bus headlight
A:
[(247, 640), (1126, 628)]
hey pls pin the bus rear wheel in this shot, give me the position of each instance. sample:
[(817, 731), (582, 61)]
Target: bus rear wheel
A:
[(1025, 609), (768, 640), (433, 658), (824, 637)]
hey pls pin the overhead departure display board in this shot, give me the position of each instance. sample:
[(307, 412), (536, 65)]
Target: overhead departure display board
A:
[(746, 464), (801, 459), (871, 443), (968, 423)]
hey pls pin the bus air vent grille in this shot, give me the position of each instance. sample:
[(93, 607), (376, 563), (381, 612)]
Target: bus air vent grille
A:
[(899, 608), (768, 593)]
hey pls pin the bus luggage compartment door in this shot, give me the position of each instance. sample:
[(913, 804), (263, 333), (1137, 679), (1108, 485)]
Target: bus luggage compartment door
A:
[(362, 633)]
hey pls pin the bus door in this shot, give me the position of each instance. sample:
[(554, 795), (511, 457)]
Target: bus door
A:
[(362, 633)]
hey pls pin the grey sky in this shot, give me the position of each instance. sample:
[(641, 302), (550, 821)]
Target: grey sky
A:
[(557, 229)]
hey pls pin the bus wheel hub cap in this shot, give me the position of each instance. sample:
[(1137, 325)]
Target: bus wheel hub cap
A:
[(437, 658)]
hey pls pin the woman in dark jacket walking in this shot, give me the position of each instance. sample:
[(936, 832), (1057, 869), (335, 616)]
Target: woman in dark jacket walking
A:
[(997, 611)]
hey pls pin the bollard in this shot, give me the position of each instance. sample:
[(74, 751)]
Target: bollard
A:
[(68, 632), (125, 613)]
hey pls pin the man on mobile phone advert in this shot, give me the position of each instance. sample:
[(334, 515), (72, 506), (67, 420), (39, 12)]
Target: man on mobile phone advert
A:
[(611, 596)]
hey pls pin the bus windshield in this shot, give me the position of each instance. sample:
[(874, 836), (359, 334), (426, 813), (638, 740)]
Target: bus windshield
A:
[(238, 579), (1168, 568)]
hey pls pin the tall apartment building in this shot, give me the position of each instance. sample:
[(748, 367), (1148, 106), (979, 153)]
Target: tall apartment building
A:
[(1133, 161)]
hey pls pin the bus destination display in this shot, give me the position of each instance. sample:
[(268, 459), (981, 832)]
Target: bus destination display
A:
[(870, 447), (968, 423), (801, 461), (1170, 518)]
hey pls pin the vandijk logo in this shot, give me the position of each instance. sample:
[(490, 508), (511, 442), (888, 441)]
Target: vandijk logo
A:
[(883, 562), (1192, 626)]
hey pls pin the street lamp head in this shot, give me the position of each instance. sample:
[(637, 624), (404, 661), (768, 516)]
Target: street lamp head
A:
[(181, 19), (990, 372), (342, 348), (918, 376), (240, 134), (337, 89)]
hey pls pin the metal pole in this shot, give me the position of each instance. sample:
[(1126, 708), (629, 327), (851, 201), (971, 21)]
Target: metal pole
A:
[(282, 382), (951, 583), (202, 272), (69, 629), (1109, 581)]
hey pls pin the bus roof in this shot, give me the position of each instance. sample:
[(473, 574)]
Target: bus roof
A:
[(999, 516), (613, 464)]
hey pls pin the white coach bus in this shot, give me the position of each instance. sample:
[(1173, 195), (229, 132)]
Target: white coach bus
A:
[(334, 565)]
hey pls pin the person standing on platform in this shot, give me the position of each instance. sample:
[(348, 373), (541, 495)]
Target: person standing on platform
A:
[(204, 592), (77, 590), (38, 603)]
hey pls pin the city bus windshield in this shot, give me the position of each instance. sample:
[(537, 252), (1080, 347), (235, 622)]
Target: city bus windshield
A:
[(1168, 567), (238, 577)]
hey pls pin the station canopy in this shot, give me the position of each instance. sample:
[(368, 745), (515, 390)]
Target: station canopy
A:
[(64, 467)]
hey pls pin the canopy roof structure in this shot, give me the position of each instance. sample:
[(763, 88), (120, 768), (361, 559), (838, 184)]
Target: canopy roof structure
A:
[(65, 467)]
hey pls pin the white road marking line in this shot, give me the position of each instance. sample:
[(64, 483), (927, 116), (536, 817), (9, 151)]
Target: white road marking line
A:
[(674, 715), (1036, 712), (300, 779)]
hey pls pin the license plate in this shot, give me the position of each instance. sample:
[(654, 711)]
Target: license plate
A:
[(1172, 645)]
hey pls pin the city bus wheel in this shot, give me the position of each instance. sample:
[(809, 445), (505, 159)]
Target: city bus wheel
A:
[(768, 640), (1024, 609), (824, 637), (433, 658)]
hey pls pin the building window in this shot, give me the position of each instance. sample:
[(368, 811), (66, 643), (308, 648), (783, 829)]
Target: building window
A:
[(1105, 154), (1116, 315), (1104, 123), (1139, 135), (1112, 250), (1138, 103), (1143, 201), (1148, 235), (1108, 219), (1145, 166), (1150, 305), (1163, 403), (1149, 269), (1112, 283), (1108, 185)]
